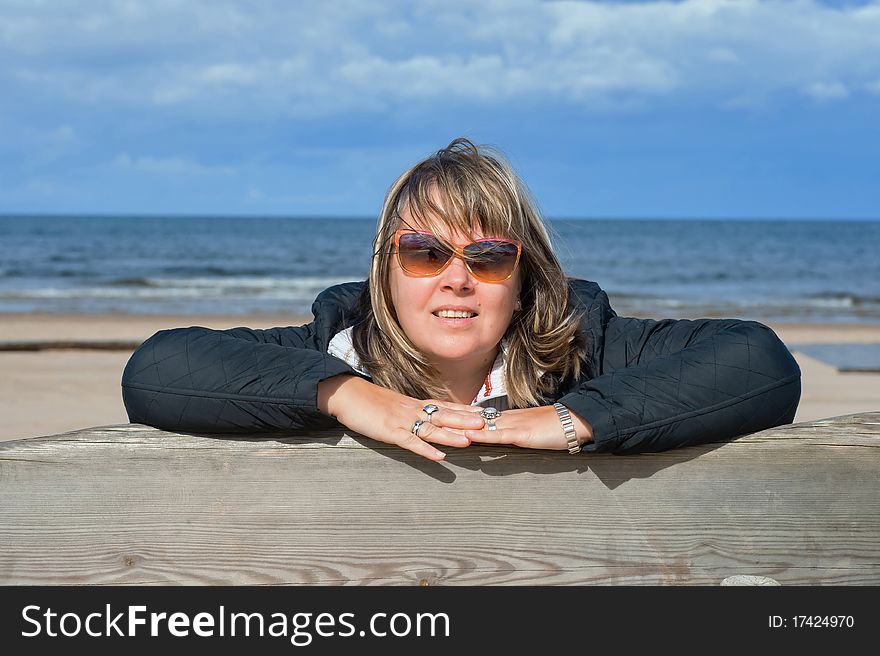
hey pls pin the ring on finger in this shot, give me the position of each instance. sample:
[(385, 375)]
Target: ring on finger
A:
[(490, 415), (416, 426), (429, 410)]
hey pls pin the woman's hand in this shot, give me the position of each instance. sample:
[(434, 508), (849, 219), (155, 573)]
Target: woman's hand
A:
[(532, 428), (388, 416)]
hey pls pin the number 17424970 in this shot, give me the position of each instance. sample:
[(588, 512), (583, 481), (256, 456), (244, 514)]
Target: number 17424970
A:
[(811, 622)]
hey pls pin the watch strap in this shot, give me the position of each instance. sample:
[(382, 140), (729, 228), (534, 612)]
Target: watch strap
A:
[(567, 427)]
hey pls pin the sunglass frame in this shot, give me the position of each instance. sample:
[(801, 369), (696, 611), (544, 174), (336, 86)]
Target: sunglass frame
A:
[(456, 252)]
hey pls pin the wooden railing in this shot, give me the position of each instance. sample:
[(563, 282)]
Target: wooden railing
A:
[(130, 504)]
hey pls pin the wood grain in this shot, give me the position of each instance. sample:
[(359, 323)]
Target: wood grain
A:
[(70, 345), (130, 504)]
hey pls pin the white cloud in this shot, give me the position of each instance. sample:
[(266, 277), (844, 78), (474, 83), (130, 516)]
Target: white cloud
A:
[(168, 166), (314, 58), (825, 91), (723, 55), (229, 74)]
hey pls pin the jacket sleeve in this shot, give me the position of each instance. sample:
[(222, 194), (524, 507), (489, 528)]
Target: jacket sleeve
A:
[(658, 385), (229, 381)]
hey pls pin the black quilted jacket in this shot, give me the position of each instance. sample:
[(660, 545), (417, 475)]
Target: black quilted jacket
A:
[(648, 386)]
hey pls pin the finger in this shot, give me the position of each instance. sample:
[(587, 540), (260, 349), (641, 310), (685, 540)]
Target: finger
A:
[(497, 436), (456, 406), (410, 442), (457, 419), (437, 435)]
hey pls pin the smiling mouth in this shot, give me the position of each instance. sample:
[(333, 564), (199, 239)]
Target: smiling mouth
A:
[(454, 314)]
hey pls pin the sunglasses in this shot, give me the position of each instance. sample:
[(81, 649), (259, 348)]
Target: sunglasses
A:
[(491, 259)]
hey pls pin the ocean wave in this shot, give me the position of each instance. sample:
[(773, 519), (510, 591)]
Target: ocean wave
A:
[(214, 270), (227, 289), (47, 273), (67, 257), (300, 292), (131, 282), (760, 309), (842, 299)]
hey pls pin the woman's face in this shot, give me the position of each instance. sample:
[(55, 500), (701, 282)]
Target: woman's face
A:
[(447, 341)]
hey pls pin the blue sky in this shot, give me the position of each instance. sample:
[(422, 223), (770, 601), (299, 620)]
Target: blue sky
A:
[(691, 109)]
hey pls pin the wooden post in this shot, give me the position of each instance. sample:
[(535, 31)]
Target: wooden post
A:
[(130, 504)]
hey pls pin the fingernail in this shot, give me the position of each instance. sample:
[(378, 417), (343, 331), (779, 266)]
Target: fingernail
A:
[(439, 454)]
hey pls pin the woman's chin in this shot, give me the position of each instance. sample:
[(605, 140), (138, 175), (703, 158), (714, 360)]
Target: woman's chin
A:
[(456, 353)]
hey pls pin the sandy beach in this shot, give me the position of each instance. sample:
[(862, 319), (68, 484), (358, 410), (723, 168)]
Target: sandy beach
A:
[(54, 391)]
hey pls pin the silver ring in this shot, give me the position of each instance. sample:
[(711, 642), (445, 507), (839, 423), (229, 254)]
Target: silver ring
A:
[(490, 414), (429, 410), (416, 426)]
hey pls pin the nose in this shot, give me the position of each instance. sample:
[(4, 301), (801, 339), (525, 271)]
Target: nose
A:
[(457, 275)]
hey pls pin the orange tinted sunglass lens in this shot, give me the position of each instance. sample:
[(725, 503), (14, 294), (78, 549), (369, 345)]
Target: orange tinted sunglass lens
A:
[(489, 260), (421, 254)]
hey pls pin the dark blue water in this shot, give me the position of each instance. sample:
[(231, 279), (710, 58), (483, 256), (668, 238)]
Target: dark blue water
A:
[(825, 271)]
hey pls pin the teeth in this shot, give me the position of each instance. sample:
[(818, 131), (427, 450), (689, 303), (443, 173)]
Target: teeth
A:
[(454, 314)]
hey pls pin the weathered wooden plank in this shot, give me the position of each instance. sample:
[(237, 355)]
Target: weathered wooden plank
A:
[(68, 345), (129, 504)]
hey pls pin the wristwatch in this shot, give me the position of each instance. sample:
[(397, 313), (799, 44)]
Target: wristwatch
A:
[(567, 427)]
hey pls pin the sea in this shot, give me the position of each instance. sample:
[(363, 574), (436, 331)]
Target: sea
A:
[(771, 270)]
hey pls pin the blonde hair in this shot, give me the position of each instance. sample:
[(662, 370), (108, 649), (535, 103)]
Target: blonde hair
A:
[(456, 188)]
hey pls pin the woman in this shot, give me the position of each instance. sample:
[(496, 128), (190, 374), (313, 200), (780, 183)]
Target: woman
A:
[(468, 331)]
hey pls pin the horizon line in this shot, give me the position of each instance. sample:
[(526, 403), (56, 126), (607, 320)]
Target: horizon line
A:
[(352, 217)]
